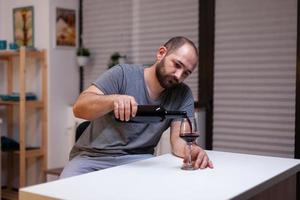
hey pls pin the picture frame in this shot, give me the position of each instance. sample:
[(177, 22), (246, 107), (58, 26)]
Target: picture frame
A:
[(23, 26), (65, 27)]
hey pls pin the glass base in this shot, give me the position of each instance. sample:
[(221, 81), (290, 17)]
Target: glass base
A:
[(187, 167)]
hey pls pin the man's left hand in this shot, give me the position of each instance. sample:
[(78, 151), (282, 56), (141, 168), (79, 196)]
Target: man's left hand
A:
[(199, 158)]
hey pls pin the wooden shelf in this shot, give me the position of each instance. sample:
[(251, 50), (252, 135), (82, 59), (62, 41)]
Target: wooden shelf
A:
[(31, 103), (8, 54), (31, 153), (9, 194), (22, 59), (29, 53)]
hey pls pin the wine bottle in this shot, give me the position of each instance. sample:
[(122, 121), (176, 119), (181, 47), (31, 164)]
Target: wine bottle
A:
[(154, 114)]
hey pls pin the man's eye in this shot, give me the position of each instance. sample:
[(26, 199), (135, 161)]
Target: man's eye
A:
[(186, 74), (177, 66)]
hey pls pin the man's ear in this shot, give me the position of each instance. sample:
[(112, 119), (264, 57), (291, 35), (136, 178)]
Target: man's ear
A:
[(161, 53)]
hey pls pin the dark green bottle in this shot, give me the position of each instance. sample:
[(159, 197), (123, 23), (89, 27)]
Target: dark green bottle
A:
[(154, 114)]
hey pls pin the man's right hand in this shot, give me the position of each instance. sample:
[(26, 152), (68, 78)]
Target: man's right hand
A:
[(125, 107), (92, 104)]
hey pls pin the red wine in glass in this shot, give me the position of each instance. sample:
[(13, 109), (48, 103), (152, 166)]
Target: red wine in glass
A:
[(190, 137), (189, 133)]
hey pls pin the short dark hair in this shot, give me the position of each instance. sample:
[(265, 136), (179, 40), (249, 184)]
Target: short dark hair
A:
[(177, 42)]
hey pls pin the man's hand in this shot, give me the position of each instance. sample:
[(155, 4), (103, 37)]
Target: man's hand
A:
[(180, 148), (92, 104), (124, 107), (199, 157)]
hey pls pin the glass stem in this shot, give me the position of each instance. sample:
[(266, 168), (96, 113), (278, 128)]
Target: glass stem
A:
[(190, 154)]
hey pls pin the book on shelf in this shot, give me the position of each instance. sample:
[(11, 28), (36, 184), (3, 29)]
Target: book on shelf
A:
[(15, 96)]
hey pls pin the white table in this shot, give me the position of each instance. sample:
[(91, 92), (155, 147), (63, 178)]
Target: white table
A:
[(235, 176)]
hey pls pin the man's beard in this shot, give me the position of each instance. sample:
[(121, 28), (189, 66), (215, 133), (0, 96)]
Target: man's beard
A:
[(166, 81)]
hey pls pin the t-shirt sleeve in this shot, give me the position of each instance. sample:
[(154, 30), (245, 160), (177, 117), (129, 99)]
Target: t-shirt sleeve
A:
[(111, 81)]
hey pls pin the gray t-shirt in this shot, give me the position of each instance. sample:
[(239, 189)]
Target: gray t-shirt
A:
[(106, 136)]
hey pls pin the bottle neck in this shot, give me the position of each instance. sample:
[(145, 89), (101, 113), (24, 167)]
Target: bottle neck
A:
[(175, 114)]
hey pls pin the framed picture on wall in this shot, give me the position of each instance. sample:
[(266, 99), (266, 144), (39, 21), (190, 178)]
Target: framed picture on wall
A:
[(65, 25), (23, 26)]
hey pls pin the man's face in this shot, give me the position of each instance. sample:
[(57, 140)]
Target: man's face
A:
[(175, 67)]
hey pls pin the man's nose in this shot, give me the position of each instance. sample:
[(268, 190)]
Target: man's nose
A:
[(178, 74)]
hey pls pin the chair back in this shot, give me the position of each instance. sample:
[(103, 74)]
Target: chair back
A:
[(80, 129)]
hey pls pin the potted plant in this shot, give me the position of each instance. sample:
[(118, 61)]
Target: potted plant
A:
[(116, 58), (83, 56)]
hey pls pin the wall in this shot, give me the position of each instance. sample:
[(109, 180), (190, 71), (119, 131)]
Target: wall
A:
[(63, 80), (2, 15), (63, 90)]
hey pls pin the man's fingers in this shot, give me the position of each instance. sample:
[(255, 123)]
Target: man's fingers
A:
[(127, 109), (199, 159), (133, 107), (130, 108), (116, 110), (204, 162), (210, 164), (121, 110)]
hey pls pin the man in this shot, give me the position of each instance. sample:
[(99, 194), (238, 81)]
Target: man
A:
[(116, 94)]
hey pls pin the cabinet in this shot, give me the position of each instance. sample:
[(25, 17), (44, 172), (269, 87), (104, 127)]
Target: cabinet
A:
[(20, 59)]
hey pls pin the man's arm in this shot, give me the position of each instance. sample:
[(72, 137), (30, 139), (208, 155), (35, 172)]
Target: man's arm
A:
[(178, 145), (92, 104), (199, 156)]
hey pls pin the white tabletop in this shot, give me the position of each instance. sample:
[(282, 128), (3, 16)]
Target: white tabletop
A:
[(234, 176)]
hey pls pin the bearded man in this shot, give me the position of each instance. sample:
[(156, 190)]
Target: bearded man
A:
[(107, 142)]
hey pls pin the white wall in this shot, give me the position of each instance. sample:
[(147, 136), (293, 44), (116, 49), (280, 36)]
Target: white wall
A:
[(41, 15), (2, 17), (63, 90), (63, 79)]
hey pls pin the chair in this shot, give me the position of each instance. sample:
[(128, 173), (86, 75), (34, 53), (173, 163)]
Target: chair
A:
[(79, 130)]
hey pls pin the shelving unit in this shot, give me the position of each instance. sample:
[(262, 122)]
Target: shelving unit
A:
[(20, 59)]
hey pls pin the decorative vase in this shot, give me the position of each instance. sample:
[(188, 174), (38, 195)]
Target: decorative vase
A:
[(82, 60)]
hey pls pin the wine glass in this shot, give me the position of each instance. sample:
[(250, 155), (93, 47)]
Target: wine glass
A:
[(189, 133)]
